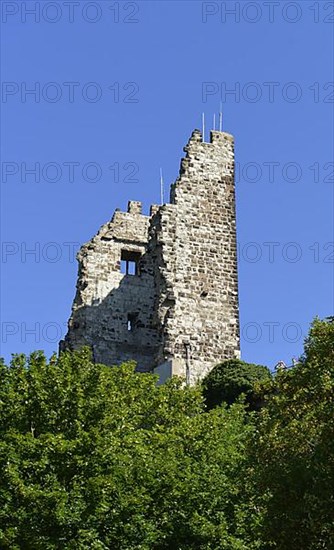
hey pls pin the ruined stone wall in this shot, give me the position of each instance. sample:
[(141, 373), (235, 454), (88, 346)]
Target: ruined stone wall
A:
[(196, 270), (106, 297), (183, 301)]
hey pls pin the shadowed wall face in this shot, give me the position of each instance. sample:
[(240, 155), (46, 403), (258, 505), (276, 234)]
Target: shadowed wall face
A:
[(164, 287), (113, 307)]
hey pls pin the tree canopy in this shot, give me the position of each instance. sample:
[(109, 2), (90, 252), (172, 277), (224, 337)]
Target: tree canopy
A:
[(232, 378), (291, 453), (100, 457), (94, 457)]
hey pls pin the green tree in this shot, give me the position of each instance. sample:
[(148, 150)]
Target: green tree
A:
[(228, 380), (99, 457), (292, 452)]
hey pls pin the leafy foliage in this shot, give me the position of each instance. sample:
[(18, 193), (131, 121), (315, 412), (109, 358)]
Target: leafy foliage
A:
[(228, 380), (98, 457), (292, 452), (94, 457)]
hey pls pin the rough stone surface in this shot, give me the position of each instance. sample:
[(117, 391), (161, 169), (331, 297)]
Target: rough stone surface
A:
[(182, 303)]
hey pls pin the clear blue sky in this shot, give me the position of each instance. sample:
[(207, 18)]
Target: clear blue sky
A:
[(153, 68)]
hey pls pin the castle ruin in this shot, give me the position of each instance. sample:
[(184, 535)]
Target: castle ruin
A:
[(162, 289)]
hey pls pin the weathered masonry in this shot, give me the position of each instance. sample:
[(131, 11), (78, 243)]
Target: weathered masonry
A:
[(163, 289)]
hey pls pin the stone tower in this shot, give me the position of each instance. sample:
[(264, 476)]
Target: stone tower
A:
[(163, 289)]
